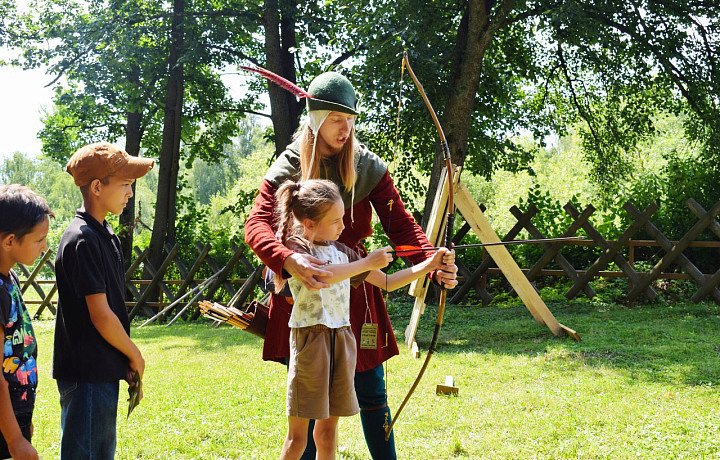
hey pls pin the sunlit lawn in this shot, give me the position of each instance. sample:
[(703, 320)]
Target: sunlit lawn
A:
[(643, 384)]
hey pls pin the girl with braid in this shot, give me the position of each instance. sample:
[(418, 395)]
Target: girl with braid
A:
[(320, 386)]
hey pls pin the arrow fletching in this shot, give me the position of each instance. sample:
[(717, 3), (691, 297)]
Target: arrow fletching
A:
[(407, 250), (280, 81)]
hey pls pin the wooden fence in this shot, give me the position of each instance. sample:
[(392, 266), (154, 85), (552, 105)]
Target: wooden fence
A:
[(640, 283), (149, 295)]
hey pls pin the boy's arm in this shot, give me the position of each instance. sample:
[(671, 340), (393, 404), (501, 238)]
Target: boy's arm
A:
[(110, 328), (404, 277), (18, 446)]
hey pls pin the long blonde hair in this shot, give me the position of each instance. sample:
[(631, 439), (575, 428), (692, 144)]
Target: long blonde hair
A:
[(346, 157)]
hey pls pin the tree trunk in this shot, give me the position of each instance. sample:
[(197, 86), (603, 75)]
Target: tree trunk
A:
[(165, 212), (285, 109), (474, 36), (133, 135)]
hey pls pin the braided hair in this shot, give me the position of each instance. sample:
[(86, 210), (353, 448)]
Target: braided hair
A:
[(297, 201)]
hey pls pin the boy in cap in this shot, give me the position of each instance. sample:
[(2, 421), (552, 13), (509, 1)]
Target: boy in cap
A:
[(93, 350)]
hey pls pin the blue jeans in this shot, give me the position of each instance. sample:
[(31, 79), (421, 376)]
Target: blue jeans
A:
[(87, 420)]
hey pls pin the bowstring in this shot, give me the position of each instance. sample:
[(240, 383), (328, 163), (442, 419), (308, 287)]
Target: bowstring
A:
[(395, 155), (390, 206)]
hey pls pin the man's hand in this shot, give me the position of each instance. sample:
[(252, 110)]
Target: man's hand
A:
[(306, 269), (447, 273)]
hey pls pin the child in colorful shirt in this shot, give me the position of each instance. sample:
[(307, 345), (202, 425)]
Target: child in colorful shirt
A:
[(23, 231)]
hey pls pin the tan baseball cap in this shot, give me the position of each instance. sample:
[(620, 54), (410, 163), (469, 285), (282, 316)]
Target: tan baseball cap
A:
[(102, 159)]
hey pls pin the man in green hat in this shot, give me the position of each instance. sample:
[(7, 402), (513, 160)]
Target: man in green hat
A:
[(325, 147)]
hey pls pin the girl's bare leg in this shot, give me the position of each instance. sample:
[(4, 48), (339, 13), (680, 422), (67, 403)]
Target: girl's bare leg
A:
[(296, 438), (325, 436)]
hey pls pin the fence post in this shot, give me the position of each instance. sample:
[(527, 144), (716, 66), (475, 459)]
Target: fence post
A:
[(631, 261), (676, 250), (156, 279)]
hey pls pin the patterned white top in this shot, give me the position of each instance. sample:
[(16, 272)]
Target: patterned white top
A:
[(329, 306)]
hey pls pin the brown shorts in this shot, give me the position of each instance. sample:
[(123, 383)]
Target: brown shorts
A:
[(319, 386)]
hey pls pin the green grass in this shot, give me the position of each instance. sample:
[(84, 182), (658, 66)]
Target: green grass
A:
[(642, 384)]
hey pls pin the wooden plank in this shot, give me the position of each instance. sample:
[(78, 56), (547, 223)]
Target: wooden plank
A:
[(47, 303), (188, 276), (472, 214), (141, 255), (436, 221), (222, 277), (463, 270), (215, 268), (411, 329), (707, 286), (554, 248), (248, 288), (457, 238), (161, 284), (699, 211), (460, 293)]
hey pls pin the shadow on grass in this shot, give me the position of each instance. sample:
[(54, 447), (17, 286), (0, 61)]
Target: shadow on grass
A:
[(201, 334), (661, 342)]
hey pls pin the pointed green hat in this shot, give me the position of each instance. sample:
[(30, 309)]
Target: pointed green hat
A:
[(332, 91)]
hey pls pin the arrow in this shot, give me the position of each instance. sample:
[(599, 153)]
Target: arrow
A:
[(412, 250)]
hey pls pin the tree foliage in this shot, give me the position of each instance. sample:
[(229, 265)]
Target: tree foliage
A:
[(492, 69), (544, 65)]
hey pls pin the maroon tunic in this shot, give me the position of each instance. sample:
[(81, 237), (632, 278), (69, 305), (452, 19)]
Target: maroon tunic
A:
[(260, 236)]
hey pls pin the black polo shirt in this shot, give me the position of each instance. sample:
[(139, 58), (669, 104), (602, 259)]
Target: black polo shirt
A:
[(88, 261)]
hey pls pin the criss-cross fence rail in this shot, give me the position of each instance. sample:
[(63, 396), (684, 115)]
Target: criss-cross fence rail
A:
[(164, 287), (160, 290), (639, 283)]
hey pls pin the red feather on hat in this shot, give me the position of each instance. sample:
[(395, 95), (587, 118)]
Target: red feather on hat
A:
[(280, 81)]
